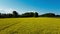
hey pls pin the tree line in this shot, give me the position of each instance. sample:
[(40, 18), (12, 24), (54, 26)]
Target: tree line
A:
[(27, 14)]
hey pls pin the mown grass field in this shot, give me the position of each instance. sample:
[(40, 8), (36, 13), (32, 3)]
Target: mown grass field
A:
[(30, 26)]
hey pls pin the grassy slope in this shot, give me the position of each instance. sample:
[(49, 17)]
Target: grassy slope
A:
[(30, 26)]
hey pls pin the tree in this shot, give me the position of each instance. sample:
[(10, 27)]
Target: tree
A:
[(9, 15), (0, 15), (48, 15), (28, 14), (35, 14), (15, 14), (4, 15), (57, 15)]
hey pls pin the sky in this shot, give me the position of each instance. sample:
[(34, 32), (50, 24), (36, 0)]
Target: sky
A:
[(22, 6)]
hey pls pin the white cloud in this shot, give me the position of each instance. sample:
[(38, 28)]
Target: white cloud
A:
[(31, 11), (10, 10), (7, 10)]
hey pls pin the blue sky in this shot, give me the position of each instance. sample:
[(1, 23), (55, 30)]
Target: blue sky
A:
[(21, 6)]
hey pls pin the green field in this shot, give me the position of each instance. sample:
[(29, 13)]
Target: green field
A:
[(30, 26)]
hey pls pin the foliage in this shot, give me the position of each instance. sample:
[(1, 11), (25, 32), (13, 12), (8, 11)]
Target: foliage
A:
[(15, 14), (48, 15), (27, 14)]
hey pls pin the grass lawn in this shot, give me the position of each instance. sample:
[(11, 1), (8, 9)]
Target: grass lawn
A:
[(30, 26)]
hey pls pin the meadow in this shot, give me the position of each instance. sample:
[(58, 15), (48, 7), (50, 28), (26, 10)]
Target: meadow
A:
[(30, 26)]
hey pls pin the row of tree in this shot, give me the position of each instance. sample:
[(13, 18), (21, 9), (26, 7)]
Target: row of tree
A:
[(27, 14), (15, 14)]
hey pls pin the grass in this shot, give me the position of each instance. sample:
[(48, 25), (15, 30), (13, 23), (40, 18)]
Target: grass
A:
[(30, 26)]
